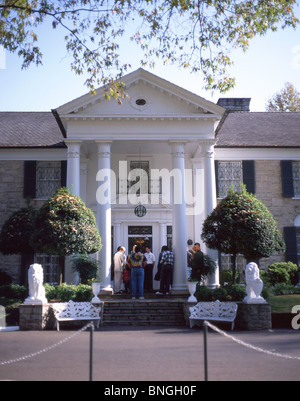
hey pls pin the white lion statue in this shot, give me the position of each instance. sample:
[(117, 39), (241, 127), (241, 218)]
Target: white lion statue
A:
[(254, 285), (36, 289)]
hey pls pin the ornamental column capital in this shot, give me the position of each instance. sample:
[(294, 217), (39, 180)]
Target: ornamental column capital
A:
[(177, 148), (208, 148), (104, 149), (73, 151)]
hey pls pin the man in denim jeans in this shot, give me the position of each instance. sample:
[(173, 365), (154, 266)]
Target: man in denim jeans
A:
[(167, 263)]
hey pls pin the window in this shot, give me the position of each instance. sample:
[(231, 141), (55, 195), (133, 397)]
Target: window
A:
[(298, 242), (140, 102), (140, 230), (143, 181), (48, 179), (51, 267), (234, 173), (140, 235), (170, 237), (226, 262), (43, 178), (296, 178), (229, 174)]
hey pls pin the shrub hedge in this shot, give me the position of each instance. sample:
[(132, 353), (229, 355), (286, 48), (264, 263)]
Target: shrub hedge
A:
[(234, 292)]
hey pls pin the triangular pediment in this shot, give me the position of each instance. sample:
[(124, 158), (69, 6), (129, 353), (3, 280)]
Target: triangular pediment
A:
[(148, 96)]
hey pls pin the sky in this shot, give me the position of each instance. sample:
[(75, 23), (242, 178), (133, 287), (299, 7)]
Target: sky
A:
[(262, 71)]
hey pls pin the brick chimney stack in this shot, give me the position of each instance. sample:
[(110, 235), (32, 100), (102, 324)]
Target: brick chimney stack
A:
[(235, 104)]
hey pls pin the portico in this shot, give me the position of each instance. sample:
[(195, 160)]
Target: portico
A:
[(162, 130)]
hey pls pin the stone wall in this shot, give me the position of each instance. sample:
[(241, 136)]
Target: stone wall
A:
[(253, 317), (269, 191), (35, 317), (11, 195), (11, 190)]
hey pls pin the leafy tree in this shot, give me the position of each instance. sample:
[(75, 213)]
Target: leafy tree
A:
[(65, 226), (16, 232), (197, 35), (288, 99), (241, 224)]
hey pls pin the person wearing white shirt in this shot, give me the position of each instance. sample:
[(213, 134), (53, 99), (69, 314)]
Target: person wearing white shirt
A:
[(150, 262)]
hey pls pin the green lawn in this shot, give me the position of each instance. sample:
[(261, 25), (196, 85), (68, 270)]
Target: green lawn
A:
[(284, 303)]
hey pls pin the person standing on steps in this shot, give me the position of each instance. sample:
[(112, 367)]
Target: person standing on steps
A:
[(135, 262), (167, 263), (197, 263), (119, 264), (150, 262)]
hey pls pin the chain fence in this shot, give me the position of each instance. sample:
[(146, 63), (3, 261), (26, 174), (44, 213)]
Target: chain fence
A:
[(243, 343), (46, 349), (206, 325)]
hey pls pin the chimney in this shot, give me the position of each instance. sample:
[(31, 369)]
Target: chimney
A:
[(235, 104)]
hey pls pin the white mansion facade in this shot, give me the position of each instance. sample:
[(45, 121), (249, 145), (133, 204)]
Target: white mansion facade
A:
[(151, 168)]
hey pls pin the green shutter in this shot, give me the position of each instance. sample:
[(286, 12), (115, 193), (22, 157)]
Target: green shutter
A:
[(249, 176), (291, 244), (287, 179), (29, 179), (64, 173), (217, 177)]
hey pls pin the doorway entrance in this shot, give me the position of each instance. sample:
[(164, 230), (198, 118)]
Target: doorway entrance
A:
[(140, 235)]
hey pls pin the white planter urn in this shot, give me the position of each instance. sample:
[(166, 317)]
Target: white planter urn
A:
[(192, 285), (96, 289)]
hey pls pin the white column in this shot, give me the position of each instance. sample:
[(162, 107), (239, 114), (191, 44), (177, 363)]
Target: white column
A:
[(73, 169), (104, 215), (198, 186), (162, 234), (210, 197), (179, 219), (117, 237), (83, 179)]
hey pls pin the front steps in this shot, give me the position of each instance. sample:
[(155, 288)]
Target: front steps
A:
[(148, 312)]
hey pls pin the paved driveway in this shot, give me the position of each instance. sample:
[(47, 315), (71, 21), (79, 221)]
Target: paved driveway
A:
[(156, 354)]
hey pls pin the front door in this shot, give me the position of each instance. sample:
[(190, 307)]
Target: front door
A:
[(139, 235)]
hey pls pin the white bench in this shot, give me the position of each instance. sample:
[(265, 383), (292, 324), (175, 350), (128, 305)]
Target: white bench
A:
[(76, 311), (213, 311)]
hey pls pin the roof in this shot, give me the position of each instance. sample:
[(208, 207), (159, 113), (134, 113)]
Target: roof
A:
[(131, 80), (256, 129), (29, 129), (237, 130)]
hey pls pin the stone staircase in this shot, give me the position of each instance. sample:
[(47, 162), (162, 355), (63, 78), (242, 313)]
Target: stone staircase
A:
[(147, 312)]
